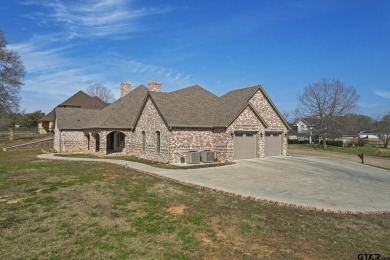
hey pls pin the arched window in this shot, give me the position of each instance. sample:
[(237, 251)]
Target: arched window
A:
[(158, 141), (143, 141)]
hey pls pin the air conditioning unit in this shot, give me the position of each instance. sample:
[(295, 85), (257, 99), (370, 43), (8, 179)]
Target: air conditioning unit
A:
[(193, 157), (207, 156)]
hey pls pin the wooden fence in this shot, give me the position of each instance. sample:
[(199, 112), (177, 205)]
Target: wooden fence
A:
[(21, 133)]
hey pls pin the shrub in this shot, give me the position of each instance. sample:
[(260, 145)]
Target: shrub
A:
[(333, 143), (293, 141), (361, 142)]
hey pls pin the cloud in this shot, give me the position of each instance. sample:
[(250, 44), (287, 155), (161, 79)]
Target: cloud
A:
[(60, 64), (382, 93), (93, 18), (54, 73)]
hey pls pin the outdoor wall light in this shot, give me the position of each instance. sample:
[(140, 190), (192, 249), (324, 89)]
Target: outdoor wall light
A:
[(261, 135), (231, 134)]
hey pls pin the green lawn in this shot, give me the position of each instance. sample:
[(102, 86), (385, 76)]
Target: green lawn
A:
[(367, 150), (83, 210)]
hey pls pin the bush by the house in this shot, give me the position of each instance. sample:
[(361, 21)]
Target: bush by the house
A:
[(293, 141)]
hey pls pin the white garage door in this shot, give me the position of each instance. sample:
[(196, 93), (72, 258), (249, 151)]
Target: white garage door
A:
[(244, 145), (273, 144)]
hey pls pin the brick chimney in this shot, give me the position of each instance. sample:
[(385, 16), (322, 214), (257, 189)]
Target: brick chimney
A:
[(154, 86), (125, 88)]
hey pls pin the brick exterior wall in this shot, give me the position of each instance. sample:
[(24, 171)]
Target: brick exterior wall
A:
[(150, 122), (70, 141), (187, 139), (248, 121), (274, 122), (175, 143)]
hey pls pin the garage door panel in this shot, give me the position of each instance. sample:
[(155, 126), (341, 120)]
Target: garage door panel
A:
[(244, 146), (273, 144)]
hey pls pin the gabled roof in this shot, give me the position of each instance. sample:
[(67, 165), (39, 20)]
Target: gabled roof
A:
[(83, 100), (123, 113), (188, 107), (79, 100), (232, 104), (73, 117), (309, 121)]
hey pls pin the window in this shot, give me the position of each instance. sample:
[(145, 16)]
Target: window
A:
[(158, 141), (120, 140), (143, 141)]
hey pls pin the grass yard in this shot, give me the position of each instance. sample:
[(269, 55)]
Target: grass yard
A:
[(83, 210), (367, 150)]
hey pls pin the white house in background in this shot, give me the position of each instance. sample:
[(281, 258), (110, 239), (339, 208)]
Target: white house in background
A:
[(368, 135), (305, 128)]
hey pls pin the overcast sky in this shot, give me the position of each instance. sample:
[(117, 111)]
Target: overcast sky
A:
[(219, 44)]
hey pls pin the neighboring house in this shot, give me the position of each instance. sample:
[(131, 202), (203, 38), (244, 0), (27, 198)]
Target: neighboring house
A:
[(368, 135), (304, 130), (78, 100), (151, 124)]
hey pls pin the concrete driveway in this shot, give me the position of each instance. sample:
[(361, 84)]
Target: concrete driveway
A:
[(301, 180)]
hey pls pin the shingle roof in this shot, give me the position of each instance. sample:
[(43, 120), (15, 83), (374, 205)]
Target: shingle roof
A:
[(122, 113), (231, 104), (192, 106), (83, 100), (80, 100), (73, 117), (48, 117), (188, 107)]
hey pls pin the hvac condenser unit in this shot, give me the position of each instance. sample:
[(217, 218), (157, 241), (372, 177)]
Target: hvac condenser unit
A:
[(207, 156), (193, 157)]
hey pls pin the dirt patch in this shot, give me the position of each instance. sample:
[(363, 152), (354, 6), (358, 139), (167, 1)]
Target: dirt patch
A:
[(14, 201), (10, 201), (111, 176), (262, 249), (177, 209), (134, 183), (204, 238)]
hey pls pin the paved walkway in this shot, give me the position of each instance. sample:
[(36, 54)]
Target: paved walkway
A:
[(296, 181)]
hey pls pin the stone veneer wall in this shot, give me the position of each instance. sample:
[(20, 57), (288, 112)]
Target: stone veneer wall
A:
[(150, 122), (103, 140), (43, 144), (56, 140), (248, 121), (187, 139), (273, 120), (72, 141), (219, 140)]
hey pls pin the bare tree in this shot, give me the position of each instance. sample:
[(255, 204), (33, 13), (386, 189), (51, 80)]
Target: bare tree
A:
[(326, 100), (100, 91), (11, 76), (383, 128)]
